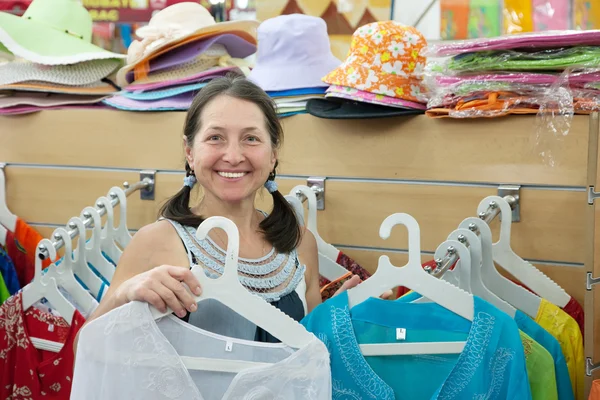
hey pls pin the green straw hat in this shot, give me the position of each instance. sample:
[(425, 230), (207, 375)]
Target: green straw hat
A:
[(51, 32)]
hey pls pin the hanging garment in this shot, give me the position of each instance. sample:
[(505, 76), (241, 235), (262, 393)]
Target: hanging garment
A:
[(329, 288), (278, 278), (540, 335), (540, 369), (491, 366), (564, 328), (574, 309), (539, 361), (21, 248), (4, 293), (29, 373), (139, 358), (8, 272)]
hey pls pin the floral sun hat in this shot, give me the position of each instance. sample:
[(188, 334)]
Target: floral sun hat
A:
[(385, 58)]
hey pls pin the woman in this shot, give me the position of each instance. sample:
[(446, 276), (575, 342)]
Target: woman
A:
[(232, 136)]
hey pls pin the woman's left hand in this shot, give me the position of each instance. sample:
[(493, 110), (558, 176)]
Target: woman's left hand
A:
[(354, 281)]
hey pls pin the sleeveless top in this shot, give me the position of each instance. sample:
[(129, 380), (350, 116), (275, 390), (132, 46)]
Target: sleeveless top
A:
[(276, 277)]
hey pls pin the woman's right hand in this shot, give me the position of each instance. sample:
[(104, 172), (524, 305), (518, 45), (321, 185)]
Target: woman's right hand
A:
[(162, 287)]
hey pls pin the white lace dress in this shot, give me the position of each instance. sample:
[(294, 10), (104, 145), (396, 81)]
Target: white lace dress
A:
[(125, 354)]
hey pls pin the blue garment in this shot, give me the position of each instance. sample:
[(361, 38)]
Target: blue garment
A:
[(540, 335), (9, 273), (296, 92), (491, 366)]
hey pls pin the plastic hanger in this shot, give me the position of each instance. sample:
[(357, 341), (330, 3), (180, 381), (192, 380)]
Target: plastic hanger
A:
[(80, 265), (121, 233), (387, 276), (297, 207), (523, 270), (328, 254), (37, 290), (3, 234), (7, 218), (93, 253), (518, 297), (478, 288), (108, 239), (64, 277), (460, 276), (228, 290)]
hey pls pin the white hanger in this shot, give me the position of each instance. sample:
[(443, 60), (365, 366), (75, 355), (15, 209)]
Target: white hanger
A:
[(519, 297), (478, 288), (93, 253), (460, 276), (297, 207), (108, 239), (121, 233), (7, 218), (328, 254), (415, 278), (80, 266), (524, 271), (3, 234), (228, 290), (37, 290), (64, 277)]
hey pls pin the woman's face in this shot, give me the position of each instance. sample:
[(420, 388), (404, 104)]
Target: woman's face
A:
[(232, 154)]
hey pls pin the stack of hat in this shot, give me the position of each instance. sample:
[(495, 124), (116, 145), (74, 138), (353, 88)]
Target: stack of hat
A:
[(52, 61), (182, 48), (381, 77), (294, 53)]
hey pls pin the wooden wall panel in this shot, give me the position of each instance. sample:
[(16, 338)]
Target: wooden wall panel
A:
[(415, 148), (551, 227)]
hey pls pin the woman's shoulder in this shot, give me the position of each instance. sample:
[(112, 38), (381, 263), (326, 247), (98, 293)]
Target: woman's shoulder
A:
[(157, 235)]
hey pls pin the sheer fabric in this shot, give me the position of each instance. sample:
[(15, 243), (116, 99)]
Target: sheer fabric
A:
[(125, 354)]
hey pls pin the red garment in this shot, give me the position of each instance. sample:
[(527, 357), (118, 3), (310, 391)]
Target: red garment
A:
[(328, 288), (401, 290), (21, 248), (574, 309), (27, 373)]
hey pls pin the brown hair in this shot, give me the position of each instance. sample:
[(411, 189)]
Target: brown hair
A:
[(281, 228)]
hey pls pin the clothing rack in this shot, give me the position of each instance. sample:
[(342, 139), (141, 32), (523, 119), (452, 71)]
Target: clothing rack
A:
[(450, 258), (146, 184)]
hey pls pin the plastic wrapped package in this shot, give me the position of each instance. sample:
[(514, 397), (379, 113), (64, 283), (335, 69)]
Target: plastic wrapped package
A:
[(545, 40), (510, 60), (518, 16)]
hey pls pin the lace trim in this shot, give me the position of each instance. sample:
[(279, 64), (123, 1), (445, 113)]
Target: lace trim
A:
[(497, 366), (354, 362), (471, 357)]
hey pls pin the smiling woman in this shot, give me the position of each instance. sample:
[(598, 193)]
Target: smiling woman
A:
[(231, 138)]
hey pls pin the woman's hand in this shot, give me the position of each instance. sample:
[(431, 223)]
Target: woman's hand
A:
[(354, 281), (162, 287)]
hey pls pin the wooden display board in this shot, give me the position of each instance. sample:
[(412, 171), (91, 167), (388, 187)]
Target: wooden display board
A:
[(436, 170)]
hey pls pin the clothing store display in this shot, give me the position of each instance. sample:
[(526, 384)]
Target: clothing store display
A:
[(293, 53), (492, 363), (574, 309), (564, 328), (8, 273), (329, 288), (42, 100), (277, 278), (97, 88), (21, 248), (344, 92), (111, 347), (178, 25), (52, 32), (29, 373)]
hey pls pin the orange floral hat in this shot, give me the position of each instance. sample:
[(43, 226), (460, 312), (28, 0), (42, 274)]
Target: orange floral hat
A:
[(384, 58)]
